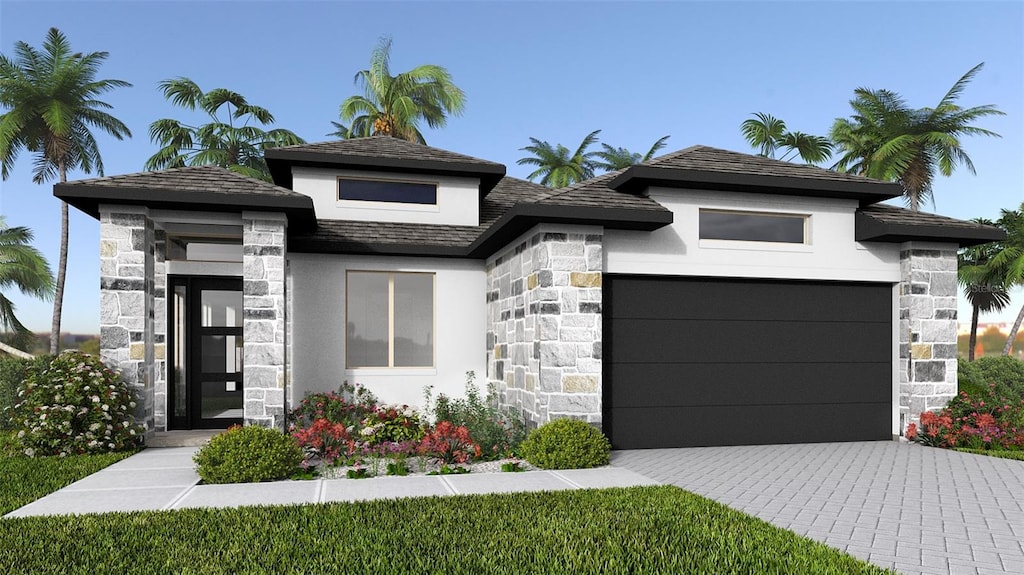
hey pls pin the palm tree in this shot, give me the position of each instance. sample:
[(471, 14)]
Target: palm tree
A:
[(230, 142), (769, 134), (395, 105), (612, 159), (51, 98), (1006, 263), (23, 267), (983, 290), (886, 139), (557, 167)]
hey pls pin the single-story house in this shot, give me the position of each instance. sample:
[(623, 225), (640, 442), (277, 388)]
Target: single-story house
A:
[(705, 297)]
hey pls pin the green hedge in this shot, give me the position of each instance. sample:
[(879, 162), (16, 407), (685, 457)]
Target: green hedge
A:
[(13, 371), (638, 530), (1006, 372), (566, 444), (249, 454), (1003, 454)]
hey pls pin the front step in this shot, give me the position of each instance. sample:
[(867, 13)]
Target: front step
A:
[(182, 438)]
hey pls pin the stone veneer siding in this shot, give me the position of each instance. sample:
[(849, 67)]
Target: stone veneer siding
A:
[(160, 327), (127, 302), (544, 324), (928, 327), (263, 269)]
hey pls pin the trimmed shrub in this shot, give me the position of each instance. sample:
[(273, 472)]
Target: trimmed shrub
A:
[(73, 404), (249, 454), (975, 377), (13, 371), (498, 433), (566, 444)]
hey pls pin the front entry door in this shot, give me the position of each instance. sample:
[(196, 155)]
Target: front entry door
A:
[(205, 352)]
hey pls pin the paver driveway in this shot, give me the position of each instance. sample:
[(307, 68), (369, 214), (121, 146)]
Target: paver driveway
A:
[(917, 509)]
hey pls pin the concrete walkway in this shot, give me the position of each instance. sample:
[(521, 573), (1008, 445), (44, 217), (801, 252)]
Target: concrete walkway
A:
[(917, 509), (164, 478)]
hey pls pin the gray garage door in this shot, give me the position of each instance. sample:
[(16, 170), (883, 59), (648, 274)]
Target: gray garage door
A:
[(710, 361)]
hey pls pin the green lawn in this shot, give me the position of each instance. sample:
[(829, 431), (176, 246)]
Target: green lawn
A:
[(24, 479), (1018, 455), (637, 530)]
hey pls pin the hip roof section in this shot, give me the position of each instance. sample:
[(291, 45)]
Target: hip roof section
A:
[(511, 206)]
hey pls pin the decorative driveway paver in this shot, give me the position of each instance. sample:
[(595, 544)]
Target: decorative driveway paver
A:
[(917, 509)]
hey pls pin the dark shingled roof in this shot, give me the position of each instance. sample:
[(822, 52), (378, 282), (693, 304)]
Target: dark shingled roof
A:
[(513, 205), (703, 167), (708, 159), (208, 188), (884, 223), (389, 237), (212, 179), (382, 153), (509, 210), (595, 192), (380, 147)]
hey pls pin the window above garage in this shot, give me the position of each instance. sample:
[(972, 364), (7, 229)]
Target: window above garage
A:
[(744, 226)]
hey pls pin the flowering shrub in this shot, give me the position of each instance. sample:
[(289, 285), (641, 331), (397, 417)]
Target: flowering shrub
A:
[(498, 432), (972, 423), (348, 406), (73, 405), (449, 443), (324, 440), (390, 424)]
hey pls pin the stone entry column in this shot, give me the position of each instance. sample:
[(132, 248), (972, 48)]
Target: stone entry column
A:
[(263, 257), (126, 302), (928, 326), (544, 324)]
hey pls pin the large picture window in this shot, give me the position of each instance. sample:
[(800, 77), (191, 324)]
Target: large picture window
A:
[(390, 319), (387, 191), (753, 226)]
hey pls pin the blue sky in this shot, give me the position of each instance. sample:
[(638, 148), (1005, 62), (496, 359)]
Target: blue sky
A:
[(554, 71)]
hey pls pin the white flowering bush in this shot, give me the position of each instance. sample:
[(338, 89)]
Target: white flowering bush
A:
[(74, 405)]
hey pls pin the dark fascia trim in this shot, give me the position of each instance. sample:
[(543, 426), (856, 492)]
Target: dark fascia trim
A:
[(298, 208), (522, 217), (868, 229), (636, 178), (281, 161)]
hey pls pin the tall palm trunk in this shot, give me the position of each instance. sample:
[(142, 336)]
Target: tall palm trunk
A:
[(974, 332), (1013, 332), (62, 265)]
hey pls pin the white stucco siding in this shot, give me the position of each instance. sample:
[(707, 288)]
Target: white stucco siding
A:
[(831, 253), (458, 199), (318, 327)]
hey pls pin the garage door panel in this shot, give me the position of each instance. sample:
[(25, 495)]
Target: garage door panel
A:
[(687, 341), (713, 361), (728, 384), (655, 427), (746, 299)]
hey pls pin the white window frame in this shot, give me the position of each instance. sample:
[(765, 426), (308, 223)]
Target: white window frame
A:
[(391, 320), (712, 242), (381, 203)]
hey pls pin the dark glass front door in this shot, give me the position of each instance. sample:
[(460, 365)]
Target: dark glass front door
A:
[(204, 332)]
